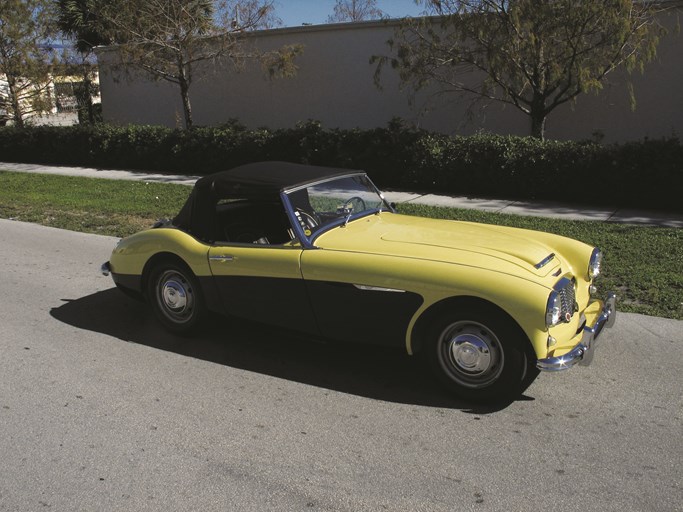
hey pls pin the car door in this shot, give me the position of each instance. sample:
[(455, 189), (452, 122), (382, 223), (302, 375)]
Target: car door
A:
[(263, 283), (358, 297)]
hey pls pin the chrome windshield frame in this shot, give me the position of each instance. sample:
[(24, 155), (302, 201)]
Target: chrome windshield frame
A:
[(308, 242)]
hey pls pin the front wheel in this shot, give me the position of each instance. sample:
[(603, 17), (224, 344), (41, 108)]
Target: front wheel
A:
[(175, 297), (478, 355)]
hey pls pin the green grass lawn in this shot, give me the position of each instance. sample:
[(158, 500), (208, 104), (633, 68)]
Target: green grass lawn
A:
[(644, 265), (107, 207)]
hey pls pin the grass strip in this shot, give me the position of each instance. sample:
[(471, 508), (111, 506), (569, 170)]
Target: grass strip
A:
[(91, 205), (644, 265)]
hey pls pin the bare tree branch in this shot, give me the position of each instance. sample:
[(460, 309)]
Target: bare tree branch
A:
[(535, 55), (170, 39), (355, 10)]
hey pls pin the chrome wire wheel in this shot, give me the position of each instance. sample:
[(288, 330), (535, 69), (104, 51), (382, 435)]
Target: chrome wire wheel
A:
[(470, 354), (175, 297)]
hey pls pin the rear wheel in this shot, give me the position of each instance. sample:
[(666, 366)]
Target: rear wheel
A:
[(175, 297), (478, 354)]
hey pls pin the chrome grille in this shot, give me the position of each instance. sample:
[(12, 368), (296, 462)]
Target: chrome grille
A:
[(567, 295)]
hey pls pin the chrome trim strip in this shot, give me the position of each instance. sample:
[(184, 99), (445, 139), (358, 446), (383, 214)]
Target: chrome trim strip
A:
[(225, 257), (545, 261), (583, 352), (342, 174), (381, 194), (377, 288)]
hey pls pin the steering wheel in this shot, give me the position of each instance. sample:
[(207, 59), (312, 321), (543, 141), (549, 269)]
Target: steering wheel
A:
[(352, 202)]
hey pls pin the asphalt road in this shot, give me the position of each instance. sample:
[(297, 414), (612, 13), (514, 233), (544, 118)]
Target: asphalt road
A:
[(102, 410)]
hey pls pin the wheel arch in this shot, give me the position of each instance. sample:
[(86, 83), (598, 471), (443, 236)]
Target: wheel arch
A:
[(427, 317), (157, 259)]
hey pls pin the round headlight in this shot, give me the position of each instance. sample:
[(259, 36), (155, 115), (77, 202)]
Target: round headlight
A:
[(595, 264), (554, 309)]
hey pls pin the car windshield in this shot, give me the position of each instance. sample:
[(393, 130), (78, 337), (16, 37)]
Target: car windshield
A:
[(334, 202)]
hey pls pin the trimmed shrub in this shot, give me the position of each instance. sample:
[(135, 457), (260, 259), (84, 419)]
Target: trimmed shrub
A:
[(643, 174)]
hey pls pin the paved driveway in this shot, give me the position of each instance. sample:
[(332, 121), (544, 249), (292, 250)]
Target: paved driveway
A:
[(102, 410)]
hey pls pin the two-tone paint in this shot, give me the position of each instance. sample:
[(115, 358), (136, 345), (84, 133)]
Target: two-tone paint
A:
[(378, 278)]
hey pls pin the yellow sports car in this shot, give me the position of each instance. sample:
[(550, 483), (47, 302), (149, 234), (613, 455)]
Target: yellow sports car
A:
[(320, 251)]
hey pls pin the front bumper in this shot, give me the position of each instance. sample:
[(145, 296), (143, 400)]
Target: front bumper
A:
[(583, 352)]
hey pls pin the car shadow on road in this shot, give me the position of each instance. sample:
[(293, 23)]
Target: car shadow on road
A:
[(368, 371)]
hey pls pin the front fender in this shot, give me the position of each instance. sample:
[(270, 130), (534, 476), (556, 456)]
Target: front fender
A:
[(521, 299)]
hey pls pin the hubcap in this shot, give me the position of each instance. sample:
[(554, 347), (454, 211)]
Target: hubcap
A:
[(175, 296), (471, 354)]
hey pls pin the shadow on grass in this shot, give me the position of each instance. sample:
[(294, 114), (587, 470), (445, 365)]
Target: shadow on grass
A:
[(373, 372)]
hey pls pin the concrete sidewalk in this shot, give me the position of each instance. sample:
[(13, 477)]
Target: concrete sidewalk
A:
[(537, 208)]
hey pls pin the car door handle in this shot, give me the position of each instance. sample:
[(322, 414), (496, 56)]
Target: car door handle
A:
[(222, 258)]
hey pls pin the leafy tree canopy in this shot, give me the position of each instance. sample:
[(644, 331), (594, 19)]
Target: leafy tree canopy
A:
[(25, 58), (532, 54)]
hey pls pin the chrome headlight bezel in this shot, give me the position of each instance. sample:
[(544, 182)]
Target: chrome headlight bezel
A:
[(561, 304), (595, 264), (553, 311)]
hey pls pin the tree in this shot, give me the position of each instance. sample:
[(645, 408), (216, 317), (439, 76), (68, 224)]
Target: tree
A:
[(355, 10), (25, 59), (532, 54), (170, 39), (79, 81), (77, 21)]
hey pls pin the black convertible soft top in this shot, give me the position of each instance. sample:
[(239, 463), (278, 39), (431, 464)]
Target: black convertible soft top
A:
[(260, 181)]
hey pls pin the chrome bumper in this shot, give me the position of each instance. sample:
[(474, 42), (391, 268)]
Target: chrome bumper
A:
[(583, 352)]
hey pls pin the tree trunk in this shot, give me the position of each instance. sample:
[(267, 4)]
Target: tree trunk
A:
[(185, 94), (538, 116), (14, 101), (88, 86), (84, 104), (538, 127)]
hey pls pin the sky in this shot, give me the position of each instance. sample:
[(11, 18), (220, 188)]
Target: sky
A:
[(297, 12)]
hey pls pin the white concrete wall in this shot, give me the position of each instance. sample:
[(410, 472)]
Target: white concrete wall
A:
[(335, 86)]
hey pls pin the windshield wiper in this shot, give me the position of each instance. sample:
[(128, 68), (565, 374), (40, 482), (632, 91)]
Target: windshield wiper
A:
[(365, 213)]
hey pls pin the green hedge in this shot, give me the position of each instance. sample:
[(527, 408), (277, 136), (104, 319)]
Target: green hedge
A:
[(644, 174)]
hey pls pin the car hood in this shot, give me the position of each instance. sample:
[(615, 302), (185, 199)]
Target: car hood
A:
[(479, 245)]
